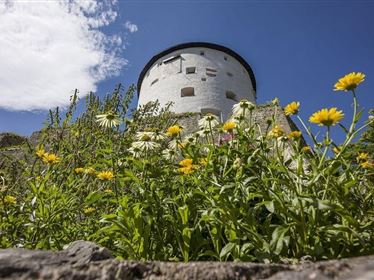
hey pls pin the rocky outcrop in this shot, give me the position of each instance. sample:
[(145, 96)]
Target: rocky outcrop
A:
[(8, 139), (85, 260)]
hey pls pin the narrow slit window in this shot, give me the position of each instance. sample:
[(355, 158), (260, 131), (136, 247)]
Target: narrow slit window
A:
[(231, 95), (203, 79), (202, 53), (211, 72), (190, 70), (154, 81), (187, 91), (230, 74), (225, 58)]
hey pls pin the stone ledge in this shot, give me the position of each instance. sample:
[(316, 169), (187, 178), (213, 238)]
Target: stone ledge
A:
[(85, 261)]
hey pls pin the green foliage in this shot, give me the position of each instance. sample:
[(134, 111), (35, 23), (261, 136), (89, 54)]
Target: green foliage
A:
[(250, 197)]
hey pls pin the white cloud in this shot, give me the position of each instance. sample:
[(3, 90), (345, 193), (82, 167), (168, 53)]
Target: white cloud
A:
[(49, 48), (131, 27)]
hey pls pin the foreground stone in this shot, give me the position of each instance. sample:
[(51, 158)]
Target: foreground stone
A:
[(85, 260)]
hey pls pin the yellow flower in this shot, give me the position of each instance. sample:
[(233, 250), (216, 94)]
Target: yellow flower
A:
[(40, 153), (327, 117), (367, 165), (292, 108), (305, 149), (229, 126), (89, 210), (362, 157), (186, 166), (174, 130), (109, 191), (186, 162), (105, 175), (9, 199), (294, 134), (349, 81), (50, 158), (79, 170), (186, 170), (276, 132), (89, 170)]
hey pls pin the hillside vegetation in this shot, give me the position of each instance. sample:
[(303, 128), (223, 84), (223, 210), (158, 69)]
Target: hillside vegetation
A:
[(148, 191)]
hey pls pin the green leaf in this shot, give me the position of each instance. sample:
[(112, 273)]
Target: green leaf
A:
[(183, 212), (226, 250), (93, 197), (269, 205)]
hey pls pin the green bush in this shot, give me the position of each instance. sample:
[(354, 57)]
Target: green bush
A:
[(227, 192)]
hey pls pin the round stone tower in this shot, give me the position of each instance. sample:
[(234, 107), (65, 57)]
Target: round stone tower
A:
[(197, 77)]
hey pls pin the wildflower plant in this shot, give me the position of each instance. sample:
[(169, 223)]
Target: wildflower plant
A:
[(231, 191)]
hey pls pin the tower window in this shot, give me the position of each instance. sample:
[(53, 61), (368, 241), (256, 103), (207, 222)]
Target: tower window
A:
[(203, 79), (154, 81), (202, 53), (231, 95), (187, 91), (225, 58), (190, 70), (229, 74)]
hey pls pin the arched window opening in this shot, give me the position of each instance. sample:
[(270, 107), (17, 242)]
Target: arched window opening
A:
[(187, 91), (231, 95)]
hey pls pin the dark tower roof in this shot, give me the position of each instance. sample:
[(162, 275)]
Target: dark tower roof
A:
[(197, 45)]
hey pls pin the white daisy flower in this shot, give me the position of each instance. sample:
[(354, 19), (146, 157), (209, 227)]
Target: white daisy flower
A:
[(145, 145), (136, 152), (191, 138), (242, 109), (108, 120), (158, 136), (209, 121), (169, 154), (144, 136)]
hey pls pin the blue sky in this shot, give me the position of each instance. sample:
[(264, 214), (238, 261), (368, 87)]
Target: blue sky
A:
[(297, 49)]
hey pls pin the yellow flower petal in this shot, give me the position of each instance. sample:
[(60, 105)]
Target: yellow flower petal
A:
[(327, 117), (349, 81)]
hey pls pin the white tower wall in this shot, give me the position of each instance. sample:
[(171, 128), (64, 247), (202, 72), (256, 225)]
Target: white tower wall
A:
[(219, 81)]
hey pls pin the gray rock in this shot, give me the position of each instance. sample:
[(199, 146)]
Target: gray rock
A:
[(29, 264), (85, 261), (8, 139)]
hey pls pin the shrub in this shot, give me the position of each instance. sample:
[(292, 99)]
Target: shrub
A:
[(148, 191)]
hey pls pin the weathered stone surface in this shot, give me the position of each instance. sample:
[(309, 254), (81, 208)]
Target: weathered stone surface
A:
[(8, 139), (85, 261)]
